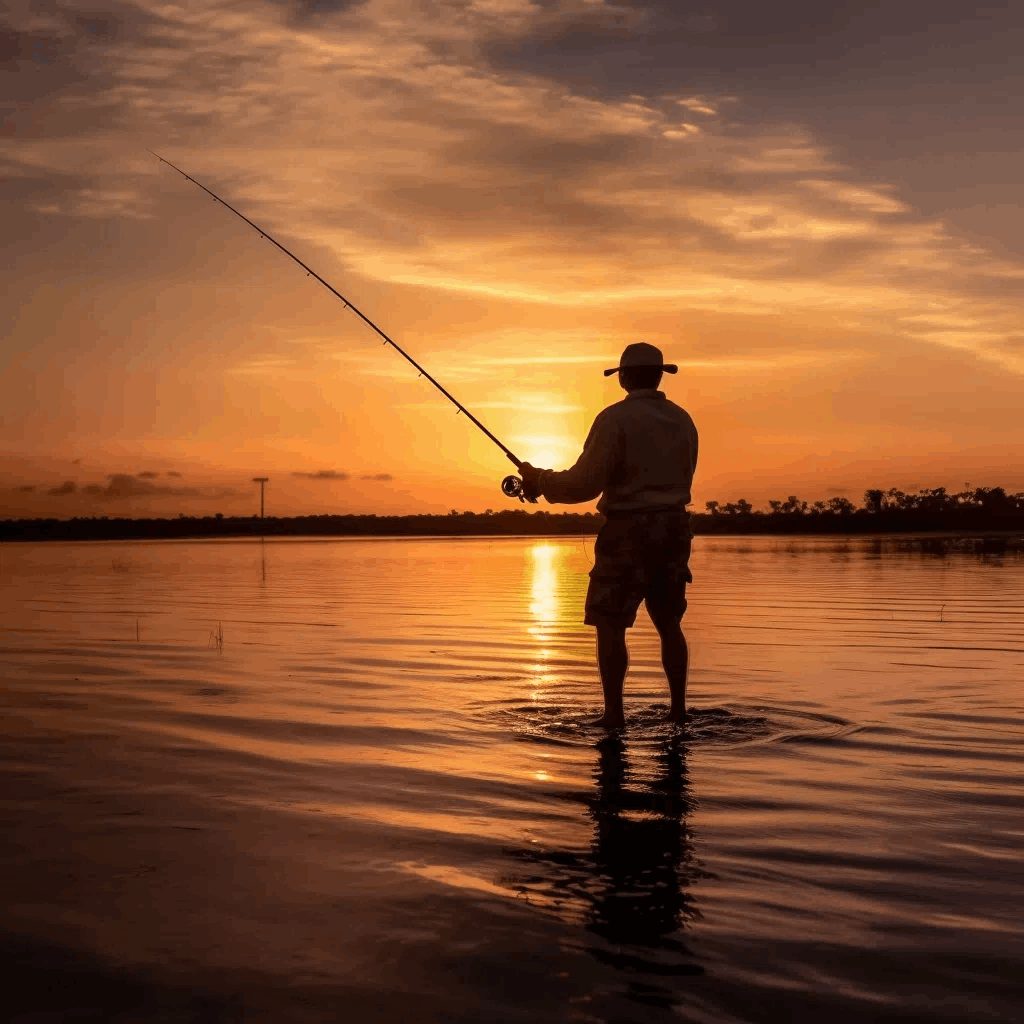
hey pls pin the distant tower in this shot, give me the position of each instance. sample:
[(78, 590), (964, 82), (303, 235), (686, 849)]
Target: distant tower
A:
[(261, 480)]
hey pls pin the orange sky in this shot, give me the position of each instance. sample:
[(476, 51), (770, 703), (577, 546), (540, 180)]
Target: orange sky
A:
[(812, 214)]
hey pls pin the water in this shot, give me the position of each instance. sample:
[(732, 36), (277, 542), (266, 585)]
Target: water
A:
[(353, 780)]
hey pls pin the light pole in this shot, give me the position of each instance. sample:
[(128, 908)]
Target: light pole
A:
[(261, 480)]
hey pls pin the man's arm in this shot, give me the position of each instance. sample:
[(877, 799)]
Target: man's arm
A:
[(591, 473)]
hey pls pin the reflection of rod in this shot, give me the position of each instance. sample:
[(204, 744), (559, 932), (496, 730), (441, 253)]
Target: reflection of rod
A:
[(261, 480), (362, 316)]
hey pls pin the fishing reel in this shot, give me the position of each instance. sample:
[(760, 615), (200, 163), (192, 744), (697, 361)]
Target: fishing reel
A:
[(512, 487)]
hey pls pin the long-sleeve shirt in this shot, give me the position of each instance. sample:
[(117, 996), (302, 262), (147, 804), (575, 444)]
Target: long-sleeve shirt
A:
[(641, 454)]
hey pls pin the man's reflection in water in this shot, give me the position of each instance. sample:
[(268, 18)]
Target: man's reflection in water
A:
[(643, 860), (632, 888)]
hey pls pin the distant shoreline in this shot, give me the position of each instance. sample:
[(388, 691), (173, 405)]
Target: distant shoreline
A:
[(509, 523)]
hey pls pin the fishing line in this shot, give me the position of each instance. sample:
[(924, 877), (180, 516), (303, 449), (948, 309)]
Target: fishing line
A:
[(511, 486)]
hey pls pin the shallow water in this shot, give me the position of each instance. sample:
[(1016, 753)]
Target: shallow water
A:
[(278, 781)]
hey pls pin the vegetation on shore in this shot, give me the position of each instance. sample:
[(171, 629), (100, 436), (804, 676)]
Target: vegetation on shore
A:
[(891, 511)]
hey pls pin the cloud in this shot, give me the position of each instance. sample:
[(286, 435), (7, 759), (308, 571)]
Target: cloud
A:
[(524, 403), (335, 474), (264, 366), (122, 486), (323, 474), (174, 473), (447, 172), (68, 487), (26, 488), (148, 475), (699, 104)]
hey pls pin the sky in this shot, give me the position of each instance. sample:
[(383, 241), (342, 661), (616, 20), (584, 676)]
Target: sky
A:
[(812, 209)]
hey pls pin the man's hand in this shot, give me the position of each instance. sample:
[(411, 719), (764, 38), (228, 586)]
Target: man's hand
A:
[(531, 481)]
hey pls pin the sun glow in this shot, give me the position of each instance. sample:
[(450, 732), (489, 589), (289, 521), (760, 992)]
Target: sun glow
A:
[(545, 452)]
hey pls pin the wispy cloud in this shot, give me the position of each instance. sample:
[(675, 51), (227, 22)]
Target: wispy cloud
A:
[(442, 171), (329, 475), (264, 366), (323, 474), (121, 486)]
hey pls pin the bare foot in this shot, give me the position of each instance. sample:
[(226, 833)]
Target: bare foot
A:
[(679, 717), (610, 722)]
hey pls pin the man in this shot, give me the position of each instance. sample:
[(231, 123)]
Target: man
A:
[(640, 457)]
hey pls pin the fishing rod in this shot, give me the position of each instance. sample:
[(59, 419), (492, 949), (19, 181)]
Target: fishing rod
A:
[(511, 486)]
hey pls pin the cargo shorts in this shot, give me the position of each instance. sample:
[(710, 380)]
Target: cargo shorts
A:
[(640, 556)]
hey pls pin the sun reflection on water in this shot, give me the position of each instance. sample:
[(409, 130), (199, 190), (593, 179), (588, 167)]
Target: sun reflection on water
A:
[(543, 593), (544, 607)]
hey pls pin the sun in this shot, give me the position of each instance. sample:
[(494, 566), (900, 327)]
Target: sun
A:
[(545, 451)]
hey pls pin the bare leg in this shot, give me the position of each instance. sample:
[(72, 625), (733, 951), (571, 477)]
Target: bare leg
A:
[(612, 661), (675, 658)]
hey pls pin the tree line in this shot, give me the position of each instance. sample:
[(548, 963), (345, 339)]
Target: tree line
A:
[(891, 511), (934, 508)]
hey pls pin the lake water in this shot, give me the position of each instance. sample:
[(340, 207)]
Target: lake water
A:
[(353, 780)]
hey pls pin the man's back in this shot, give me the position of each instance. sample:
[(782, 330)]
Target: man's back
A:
[(641, 454), (656, 454)]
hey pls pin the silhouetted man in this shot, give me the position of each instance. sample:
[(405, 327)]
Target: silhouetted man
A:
[(640, 457)]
